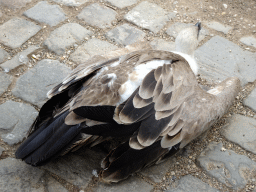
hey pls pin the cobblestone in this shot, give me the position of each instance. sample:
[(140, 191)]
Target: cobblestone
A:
[(19, 59), (149, 16), (66, 36), (3, 55), (250, 41), (122, 3), (98, 16), (226, 166), (190, 183), (131, 184), (71, 2), (14, 4), (25, 29), (241, 130), (46, 13), (5, 81), (15, 121), (250, 100), (18, 176), (219, 58), (89, 49), (76, 168), (33, 85), (219, 27), (125, 35)]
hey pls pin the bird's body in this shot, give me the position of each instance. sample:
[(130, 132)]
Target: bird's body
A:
[(150, 97)]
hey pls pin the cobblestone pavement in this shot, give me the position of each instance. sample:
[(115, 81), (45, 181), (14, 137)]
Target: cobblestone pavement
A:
[(42, 41)]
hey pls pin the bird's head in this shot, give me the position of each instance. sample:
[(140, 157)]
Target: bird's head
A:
[(187, 40)]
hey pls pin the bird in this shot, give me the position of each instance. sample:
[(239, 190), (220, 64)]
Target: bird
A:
[(150, 98)]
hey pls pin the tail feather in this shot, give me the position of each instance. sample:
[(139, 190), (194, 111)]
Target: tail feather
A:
[(47, 141), (124, 161)]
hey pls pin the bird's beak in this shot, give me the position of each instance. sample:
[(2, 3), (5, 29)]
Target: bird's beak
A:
[(198, 24)]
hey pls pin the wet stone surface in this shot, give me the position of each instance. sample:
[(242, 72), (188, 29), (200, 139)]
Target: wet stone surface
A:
[(149, 16), (226, 166), (46, 13), (98, 16), (125, 35), (34, 84), (241, 130), (11, 28), (66, 36), (15, 121)]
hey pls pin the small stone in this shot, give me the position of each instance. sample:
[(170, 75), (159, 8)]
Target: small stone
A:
[(219, 27), (98, 16), (241, 130), (176, 28), (14, 4), (16, 175), (160, 44), (89, 49), (131, 184), (226, 166), (125, 35), (149, 16), (75, 3), (19, 59), (33, 85), (17, 31), (217, 63), (1, 150), (122, 3), (66, 36), (3, 55), (225, 6), (5, 81), (53, 186), (46, 13), (16, 118), (190, 183), (250, 41), (76, 168)]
